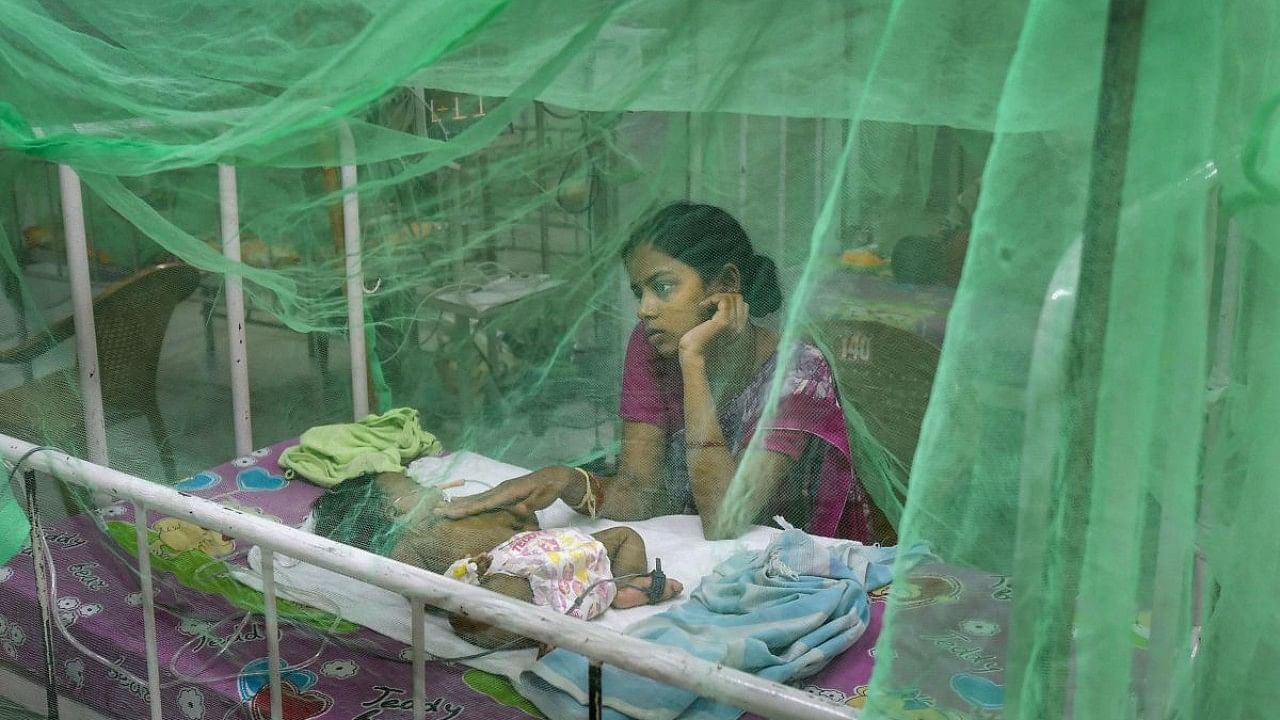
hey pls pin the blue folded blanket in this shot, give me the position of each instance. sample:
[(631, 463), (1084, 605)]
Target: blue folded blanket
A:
[(781, 614)]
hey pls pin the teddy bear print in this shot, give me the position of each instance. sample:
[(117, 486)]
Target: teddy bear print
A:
[(181, 536)]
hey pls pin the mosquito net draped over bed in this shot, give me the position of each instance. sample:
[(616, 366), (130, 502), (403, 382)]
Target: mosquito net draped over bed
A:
[(1027, 240)]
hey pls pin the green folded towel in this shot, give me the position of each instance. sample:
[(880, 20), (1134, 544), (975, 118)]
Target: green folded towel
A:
[(329, 454)]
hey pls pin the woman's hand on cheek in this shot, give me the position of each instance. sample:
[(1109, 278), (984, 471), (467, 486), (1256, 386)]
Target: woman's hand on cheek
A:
[(728, 321)]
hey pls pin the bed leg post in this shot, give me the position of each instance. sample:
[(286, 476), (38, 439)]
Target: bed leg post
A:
[(148, 608), (595, 690), (419, 660), (274, 664), (42, 589)]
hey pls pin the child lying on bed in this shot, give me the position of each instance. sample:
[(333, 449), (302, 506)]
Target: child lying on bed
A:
[(565, 569)]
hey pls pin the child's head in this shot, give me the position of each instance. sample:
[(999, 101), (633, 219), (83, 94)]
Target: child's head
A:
[(359, 512), (380, 513)]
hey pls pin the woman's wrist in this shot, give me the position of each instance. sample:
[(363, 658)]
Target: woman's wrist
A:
[(575, 487), (592, 497), (692, 360)]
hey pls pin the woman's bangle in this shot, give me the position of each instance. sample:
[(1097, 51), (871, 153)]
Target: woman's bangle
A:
[(699, 446), (592, 498)]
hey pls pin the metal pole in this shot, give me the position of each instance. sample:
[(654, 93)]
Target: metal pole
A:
[(782, 185), (82, 303), (743, 123), (697, 154), (540, 137), (148, 607), (41, 574), (237, 351), (599, 226), (595, 691), (819, 158), (419, 660), (25, 216), (355, 276), (420, 114), (1086, 349), (272, 628)]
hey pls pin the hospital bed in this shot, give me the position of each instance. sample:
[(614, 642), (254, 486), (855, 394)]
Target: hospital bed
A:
[(342, 659)]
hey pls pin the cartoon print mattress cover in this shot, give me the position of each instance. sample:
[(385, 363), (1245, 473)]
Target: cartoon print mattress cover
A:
[(213, 654)]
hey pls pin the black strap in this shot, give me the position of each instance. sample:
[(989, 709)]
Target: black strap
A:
[(595, 691), (658, 587)]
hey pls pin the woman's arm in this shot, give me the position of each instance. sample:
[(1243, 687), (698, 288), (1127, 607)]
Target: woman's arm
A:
[(635, 492), (712, 467)]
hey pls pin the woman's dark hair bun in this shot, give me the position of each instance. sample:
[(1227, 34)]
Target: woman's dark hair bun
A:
[(760, 286)]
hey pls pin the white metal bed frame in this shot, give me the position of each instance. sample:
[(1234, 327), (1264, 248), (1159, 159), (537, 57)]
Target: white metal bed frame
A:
[(420, 587)]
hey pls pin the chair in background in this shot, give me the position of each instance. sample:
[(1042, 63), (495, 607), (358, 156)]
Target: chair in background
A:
[(130, 321), (885, 374)]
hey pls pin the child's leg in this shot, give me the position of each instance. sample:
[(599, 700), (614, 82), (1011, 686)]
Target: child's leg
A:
[(627, 556), (626, 550), (487, 636)]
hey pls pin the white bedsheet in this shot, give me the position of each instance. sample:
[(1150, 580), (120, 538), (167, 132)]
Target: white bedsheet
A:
[(676, 539)]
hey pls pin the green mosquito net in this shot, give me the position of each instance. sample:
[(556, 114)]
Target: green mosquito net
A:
[(1028, 239)]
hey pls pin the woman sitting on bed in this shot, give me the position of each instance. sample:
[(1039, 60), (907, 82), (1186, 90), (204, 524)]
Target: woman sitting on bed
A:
[(697, 374)]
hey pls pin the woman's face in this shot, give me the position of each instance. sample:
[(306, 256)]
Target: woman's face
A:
[(669, 293)]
